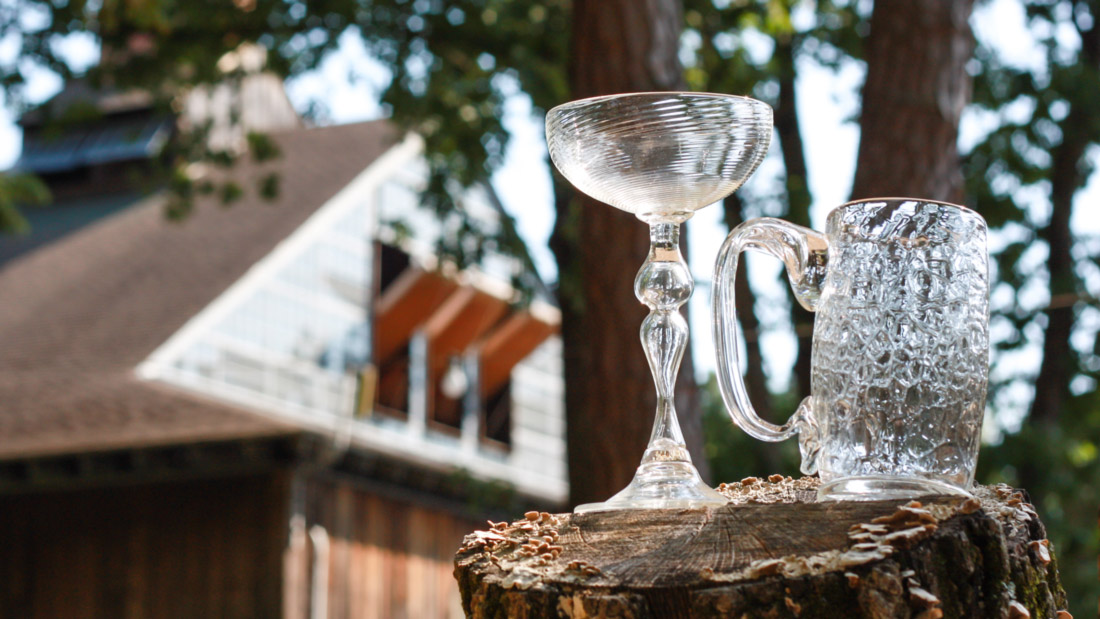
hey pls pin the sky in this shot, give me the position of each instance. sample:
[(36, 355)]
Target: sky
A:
[(827, 102)]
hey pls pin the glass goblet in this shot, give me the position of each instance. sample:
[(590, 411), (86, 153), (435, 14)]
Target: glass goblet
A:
[(660, 156)]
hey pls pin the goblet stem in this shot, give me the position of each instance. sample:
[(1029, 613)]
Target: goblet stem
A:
[(664, 284), (666, 478)]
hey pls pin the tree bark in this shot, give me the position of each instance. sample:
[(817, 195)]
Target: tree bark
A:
[(771, 552), (914, 95), (618, 46)]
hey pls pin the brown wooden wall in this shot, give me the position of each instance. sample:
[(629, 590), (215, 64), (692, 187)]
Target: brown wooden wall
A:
[(388, 558), (209, 548)]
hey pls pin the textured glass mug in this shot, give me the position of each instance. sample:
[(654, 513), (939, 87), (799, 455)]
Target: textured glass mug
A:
[(900, 355)]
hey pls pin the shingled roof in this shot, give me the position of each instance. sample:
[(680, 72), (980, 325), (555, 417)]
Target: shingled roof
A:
[(78, 315)]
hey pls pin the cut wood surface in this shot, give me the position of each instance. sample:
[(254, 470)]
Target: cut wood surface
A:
[(773, 551)]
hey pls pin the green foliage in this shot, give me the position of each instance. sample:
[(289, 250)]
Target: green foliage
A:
[(727, 39), (1044, 113), (268, 186), (1013, 158), (261, 147), (455, 62), (484, 497), (231, 192), (181, 195), (19, 190)]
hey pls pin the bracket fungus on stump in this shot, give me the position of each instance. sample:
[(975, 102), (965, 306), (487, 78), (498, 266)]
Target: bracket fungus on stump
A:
[(771, 552)]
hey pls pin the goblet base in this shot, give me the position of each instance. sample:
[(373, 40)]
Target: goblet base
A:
[(883, 487), (661, 485)]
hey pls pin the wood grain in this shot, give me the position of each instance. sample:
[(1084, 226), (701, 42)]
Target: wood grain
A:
[(771, 552), (197, 548)]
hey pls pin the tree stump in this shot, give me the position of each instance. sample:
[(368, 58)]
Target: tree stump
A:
[(771, 552)]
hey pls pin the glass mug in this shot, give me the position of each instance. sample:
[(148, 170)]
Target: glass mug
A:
[(900, 355)]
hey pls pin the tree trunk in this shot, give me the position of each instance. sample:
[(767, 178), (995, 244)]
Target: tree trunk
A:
[(798, 198), (915, 92), (1052, 384), (1066, 177), (618, 46), (772, 552)]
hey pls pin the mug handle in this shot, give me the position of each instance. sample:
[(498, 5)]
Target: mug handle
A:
[(804, 252)]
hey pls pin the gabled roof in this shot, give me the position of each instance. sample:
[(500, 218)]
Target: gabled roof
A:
[(77, 316), (80, 92), (111, 139)]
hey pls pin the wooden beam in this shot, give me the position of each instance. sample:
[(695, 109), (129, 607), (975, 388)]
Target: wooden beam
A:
[(507, 345), (448, 312), (463, 318), (412, 298)]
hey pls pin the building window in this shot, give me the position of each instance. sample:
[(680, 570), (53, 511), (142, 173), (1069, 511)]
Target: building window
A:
[(498, 415), (447, 324), (449, 394)]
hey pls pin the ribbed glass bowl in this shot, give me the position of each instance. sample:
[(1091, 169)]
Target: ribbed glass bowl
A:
[(659, 155)]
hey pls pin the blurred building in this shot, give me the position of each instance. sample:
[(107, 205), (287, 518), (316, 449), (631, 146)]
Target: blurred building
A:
[(280, 406)]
